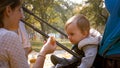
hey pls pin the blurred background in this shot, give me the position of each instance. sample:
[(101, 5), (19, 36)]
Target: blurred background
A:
[(56, 13)]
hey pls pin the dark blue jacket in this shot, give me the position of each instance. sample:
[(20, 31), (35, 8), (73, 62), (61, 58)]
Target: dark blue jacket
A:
[(112, 29)]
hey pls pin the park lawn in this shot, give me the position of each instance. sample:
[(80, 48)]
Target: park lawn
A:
[(36, 45)]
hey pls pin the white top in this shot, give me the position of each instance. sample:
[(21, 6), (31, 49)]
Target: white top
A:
[(12, 54), (23, 35)]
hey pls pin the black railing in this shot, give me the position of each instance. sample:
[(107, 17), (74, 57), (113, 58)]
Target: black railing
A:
[(41, 20), (45, 35)]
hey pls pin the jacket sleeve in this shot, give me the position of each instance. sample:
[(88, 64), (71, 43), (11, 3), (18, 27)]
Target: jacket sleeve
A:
[(90, 54)]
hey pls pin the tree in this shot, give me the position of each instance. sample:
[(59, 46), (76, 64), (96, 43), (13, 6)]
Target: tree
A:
[(39, 8), (55, 12), (96, 13)]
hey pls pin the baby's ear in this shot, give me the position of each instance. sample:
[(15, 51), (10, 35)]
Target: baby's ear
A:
[(85, 33)]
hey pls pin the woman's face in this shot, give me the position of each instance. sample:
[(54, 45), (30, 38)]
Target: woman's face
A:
[(13, 18)]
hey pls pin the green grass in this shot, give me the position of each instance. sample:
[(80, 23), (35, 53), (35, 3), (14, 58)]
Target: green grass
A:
[(36, 45)]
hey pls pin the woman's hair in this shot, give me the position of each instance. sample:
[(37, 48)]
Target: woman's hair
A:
[(3, 4), (81, 21)]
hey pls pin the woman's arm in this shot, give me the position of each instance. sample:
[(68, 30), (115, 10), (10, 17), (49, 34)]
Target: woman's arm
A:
[(47, 48)]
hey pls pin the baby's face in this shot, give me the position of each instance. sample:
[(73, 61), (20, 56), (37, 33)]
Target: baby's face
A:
[(74, 33)]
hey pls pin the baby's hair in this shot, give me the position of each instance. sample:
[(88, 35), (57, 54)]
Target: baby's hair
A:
[(81, 21)]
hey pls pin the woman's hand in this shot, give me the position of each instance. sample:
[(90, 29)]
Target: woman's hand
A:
[(49, 46)]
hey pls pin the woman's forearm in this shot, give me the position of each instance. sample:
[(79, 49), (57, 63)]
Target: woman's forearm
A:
[(40, 61)]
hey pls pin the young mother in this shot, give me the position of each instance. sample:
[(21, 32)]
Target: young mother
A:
[(12, 54)]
